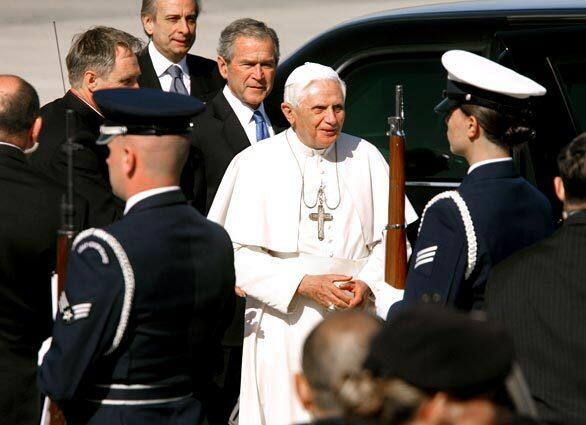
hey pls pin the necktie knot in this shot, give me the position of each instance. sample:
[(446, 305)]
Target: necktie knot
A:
[(175, 71), (262, 130), (177, 85)]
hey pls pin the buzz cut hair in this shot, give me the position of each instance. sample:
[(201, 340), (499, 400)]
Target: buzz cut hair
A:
[(95, 49), (248, 28), (572, 169)]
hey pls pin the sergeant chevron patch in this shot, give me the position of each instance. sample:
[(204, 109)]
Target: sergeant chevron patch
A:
[(424, 256), (71, 313)]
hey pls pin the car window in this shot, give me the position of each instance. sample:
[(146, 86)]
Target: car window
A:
[(573, 76), (371, 99)]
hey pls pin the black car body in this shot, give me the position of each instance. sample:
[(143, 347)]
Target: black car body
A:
[(543, 40)]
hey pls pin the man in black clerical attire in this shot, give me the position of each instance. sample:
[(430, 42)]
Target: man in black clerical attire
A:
[(539, 295), (99, 58), (165, 63), (29, 219)]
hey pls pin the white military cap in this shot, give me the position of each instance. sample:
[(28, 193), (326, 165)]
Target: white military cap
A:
[(308, 72), (473, 79)]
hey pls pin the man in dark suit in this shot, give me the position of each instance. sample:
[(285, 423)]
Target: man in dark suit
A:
[(248, 53), (29, 219), (539, 296), (145, 295), (99, 58), (165, 63)]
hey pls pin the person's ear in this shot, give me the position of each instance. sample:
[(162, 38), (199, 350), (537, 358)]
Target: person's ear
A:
[(432, 411), (90, 80), (289, 113), (473, 128), (148, 24), (35, 130), (304, 392), (560, 190), (128, 161), (223, 67)]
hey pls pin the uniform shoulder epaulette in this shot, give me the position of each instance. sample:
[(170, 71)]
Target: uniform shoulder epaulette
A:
[(87, 240), (471, 239)]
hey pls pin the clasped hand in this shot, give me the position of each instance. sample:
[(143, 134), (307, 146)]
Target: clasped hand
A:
[(331, 289)]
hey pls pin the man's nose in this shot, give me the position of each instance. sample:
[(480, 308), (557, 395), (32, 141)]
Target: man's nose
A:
[(257, 72), (183, 26), (331, 116)]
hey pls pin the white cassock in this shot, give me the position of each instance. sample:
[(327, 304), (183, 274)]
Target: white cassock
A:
[(260, 204)]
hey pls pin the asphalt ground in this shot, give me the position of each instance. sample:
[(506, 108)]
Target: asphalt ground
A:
[(27, 38)]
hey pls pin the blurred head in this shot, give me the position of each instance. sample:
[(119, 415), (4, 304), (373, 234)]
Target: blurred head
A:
[(139, 162), (171, 25), (102, 58), (248, 54), (336, 348), (570, 185), (314, 104), (20, 123)]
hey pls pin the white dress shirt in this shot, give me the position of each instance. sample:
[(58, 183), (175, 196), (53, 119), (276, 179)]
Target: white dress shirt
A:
[(137, 197), (162, 64), (244, 114)]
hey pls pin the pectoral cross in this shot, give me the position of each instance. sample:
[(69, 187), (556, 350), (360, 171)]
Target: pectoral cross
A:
[(320, 216)]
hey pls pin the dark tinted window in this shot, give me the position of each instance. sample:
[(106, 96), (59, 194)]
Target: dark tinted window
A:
[(573, 75), (371, 99)]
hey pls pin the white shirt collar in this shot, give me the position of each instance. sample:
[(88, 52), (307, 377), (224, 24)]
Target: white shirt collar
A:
[(242, 110), (487, 161), (162, 64), (137, 197), (11, 145), (300, 149)]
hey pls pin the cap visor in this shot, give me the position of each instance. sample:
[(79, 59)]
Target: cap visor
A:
[(445, 106), (104, 139)]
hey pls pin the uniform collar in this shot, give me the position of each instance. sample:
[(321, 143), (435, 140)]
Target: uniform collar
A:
[(487, 161), (140, 196), (161, 64), (492, 170), (242, 111), (576, 217), (11, 145)]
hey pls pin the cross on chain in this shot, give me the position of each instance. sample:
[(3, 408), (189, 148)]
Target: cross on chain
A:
[(320, 216)]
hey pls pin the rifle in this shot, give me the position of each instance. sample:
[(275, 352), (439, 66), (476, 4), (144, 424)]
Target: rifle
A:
[(65, 236), (396, 249)]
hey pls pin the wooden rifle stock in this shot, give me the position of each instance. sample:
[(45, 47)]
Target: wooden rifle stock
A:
[(396, 248), (65, 236)]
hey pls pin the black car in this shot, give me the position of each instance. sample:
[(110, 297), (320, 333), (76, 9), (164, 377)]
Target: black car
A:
[(544, 40)]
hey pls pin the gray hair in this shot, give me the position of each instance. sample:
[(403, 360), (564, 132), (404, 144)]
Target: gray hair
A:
[(149, 8), (294, 93), (95, 50), (245, 27)]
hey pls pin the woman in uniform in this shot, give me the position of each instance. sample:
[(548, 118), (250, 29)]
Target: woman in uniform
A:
[(494, 212)]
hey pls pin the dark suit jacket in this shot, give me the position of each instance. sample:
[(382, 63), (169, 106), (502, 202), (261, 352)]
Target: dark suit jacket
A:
[(176, 269), (29, 219), (206, 80), (91, 179), (539, 295), (508, 214)]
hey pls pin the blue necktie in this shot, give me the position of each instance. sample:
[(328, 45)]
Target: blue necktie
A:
[(262, 131), (177, 85)]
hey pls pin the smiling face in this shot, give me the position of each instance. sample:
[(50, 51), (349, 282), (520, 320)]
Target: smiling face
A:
[(319, 118), (172, 28), (251, 71)]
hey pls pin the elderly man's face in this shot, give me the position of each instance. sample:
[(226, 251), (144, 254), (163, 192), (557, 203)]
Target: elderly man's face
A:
[(319, 118), (172, 29), (125, 72), (251, 71)]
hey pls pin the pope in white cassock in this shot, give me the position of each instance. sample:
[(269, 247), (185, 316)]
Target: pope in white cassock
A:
[(306, 211)]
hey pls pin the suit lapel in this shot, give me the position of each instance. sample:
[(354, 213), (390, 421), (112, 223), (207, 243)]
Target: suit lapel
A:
[(232, 130), (148, 76)]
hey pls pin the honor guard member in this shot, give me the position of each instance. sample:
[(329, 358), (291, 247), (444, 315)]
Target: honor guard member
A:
[(494, 212), (144, 295)]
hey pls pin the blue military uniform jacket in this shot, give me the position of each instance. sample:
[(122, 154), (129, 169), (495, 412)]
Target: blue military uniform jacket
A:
[(458, 244), (139, 317)]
